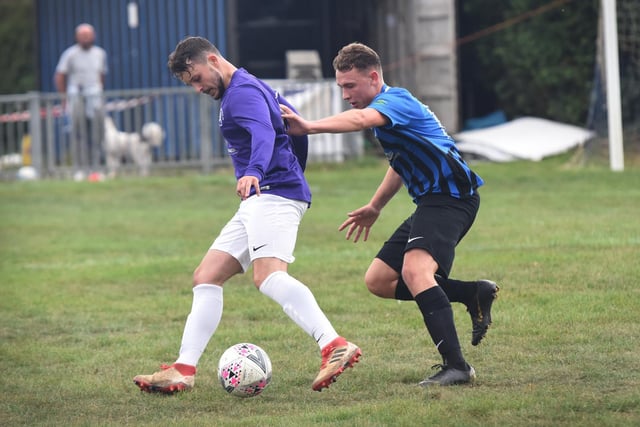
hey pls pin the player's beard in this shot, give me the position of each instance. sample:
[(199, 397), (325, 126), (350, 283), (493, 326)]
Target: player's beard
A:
[(219, 86)]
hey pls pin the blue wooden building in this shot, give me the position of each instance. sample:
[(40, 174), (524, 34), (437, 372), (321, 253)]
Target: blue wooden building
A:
[(138, 35)]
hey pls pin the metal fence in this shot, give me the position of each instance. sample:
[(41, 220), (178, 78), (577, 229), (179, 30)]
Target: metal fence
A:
[(39, 131)]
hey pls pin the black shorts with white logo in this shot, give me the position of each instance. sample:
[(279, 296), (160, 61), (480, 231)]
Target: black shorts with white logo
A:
[(437, 226)]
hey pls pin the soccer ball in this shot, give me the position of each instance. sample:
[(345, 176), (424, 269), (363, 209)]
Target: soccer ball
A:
[(244, 370)]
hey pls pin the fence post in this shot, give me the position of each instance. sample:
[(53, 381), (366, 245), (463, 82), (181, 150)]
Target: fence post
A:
[(206, 157), (35, 130)]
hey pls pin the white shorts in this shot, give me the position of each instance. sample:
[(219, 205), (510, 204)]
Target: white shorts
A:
[(264, 226)]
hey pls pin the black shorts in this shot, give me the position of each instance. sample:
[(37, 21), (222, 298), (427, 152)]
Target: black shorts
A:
[(437, 225)]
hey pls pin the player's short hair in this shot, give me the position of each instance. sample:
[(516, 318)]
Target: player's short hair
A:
[(189, 51), (358, 56)]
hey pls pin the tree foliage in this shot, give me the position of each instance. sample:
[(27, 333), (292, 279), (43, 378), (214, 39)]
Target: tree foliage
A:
[(541, 66), (17, 46)]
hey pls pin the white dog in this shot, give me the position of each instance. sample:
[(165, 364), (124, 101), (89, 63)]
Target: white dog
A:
[(132, 146)]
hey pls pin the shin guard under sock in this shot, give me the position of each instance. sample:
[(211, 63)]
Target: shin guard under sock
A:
[(438, 318)]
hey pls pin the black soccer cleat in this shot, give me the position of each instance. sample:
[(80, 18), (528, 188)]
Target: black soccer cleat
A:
[(449, 376), (480, 309)]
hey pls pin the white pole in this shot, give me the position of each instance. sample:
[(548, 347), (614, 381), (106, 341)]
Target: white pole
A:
[(614, 110)]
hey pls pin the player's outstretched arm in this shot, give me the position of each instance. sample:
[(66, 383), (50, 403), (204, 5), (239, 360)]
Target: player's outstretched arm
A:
[(346, 121)]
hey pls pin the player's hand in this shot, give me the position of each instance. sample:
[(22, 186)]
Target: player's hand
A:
[(360, 220), (294, 124), (243, 188)]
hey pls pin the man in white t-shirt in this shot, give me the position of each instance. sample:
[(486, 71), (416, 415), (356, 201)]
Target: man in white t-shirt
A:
[(80, 76)]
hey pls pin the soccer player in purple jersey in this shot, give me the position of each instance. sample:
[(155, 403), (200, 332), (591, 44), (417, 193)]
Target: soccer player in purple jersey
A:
[(274, 194), (415, 262)]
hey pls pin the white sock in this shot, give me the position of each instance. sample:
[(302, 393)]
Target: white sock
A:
[(202, 322), (300, 305)]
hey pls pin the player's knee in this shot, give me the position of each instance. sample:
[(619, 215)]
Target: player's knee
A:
[(419, 269), (202, 275), (377, 286), (259, 278), (198, 277)]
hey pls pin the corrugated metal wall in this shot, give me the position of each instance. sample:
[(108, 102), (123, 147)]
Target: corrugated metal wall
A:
[(137, 55)]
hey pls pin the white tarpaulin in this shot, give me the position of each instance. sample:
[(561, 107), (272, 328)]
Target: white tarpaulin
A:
[(526, 138)]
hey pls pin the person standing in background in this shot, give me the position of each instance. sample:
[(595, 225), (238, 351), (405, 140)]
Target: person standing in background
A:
[(80, 75)]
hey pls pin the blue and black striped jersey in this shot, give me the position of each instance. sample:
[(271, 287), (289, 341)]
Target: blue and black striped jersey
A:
[(419, 149)]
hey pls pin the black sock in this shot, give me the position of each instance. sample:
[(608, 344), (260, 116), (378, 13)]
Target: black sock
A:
[(457, 290), (438, 318), (402, 292)]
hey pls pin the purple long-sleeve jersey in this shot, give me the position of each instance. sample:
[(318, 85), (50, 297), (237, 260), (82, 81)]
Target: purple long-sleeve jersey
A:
[(257, 142)]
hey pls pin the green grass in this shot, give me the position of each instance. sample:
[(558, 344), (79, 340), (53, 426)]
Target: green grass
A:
[(95, 285)]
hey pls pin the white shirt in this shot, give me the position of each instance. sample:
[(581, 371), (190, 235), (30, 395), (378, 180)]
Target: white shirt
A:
[(84, 69)]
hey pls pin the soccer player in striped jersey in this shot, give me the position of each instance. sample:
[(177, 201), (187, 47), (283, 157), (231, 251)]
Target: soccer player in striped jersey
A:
[(415, 262), (274, 196)]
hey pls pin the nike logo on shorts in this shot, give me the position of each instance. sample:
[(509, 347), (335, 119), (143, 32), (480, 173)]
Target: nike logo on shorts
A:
[(414, 238), (255, 248)]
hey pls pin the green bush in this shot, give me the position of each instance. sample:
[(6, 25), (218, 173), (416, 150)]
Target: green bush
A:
[(541, 66), (17, 46)]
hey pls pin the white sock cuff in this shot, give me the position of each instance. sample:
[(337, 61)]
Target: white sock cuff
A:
[(206, 290), (267, 284)]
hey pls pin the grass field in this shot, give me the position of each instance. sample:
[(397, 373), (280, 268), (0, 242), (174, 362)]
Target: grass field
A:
[(95, 285)]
